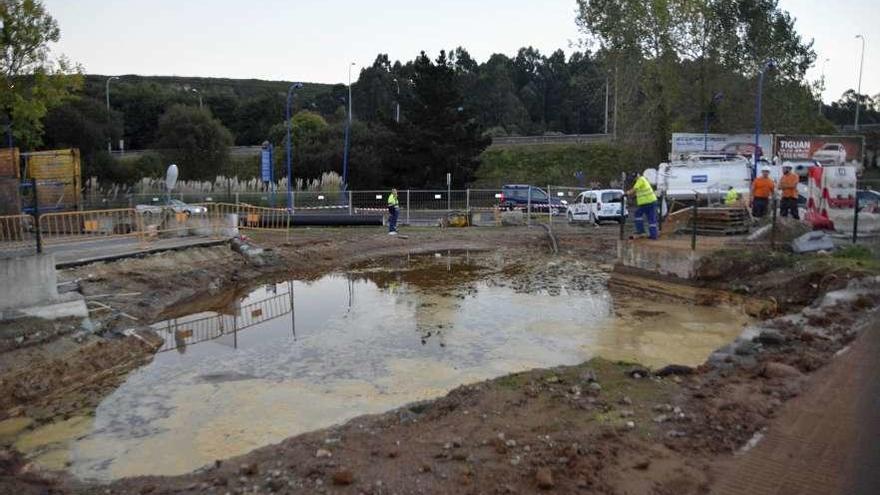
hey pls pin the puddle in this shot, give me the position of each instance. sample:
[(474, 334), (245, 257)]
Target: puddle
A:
[(297, 356)]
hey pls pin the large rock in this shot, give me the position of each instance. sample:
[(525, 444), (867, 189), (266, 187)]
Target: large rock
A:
[(780, 370)]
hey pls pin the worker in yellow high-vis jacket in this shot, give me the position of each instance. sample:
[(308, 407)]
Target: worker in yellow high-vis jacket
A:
[(646, 207)]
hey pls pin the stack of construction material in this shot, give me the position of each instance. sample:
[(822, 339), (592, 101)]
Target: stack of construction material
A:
[(10, 199), (710, 221)]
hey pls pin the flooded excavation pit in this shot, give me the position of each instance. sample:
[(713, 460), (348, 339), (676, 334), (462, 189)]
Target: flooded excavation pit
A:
[(296, 356)]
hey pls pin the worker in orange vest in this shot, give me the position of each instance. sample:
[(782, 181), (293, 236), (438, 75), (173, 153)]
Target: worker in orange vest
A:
[(788, 184), (762, 190)]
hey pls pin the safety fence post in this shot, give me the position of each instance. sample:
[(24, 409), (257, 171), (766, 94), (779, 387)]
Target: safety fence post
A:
[(350, 205), (407, 207), (855, 236), (529, 208), (39, 231), (694, 222), (623, 217), (467, 202), (549, 204), (773, 228)]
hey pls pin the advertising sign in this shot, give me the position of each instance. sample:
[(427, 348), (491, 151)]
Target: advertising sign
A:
[(688, 143), (827, 150), (266, 164)]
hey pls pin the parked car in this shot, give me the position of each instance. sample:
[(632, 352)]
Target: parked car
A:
[(831, 153), (598, 206), (517, 196), (743, 149), (869, 201), (175, 205), (179, 206)]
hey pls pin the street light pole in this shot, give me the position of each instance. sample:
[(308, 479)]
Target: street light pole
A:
[(349, 91), (770, 64), (107, 94), (822, 84), (859, 90), (397, 113), (345, 151), (293, 87)]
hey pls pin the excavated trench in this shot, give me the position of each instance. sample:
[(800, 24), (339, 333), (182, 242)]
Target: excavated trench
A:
[(246, 369)]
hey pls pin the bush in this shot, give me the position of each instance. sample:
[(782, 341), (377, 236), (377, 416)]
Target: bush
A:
[(555, 164)]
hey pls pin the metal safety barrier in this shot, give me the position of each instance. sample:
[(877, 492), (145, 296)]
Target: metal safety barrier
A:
[(78, 226), (17, 234)]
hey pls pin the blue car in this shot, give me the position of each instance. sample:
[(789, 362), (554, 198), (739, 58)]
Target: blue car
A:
[(515, 196)]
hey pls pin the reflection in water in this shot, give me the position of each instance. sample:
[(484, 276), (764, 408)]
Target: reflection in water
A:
[(258, 307), (363, 343)]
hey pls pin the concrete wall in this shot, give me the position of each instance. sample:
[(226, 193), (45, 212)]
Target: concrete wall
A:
[(659, 257), (27, 281)]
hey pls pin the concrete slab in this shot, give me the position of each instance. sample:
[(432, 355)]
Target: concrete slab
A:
[(662, 257), (27, 281)]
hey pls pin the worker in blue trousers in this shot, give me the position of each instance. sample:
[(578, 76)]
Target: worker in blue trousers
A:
[(646, 207), (393, 212)]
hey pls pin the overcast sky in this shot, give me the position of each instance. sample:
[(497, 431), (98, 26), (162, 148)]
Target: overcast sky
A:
[(315, 41)]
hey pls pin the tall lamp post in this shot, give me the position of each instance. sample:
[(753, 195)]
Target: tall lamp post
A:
[(397, 109), (293, 87), (345, 145), (345, 149), (822, 84), (770, 64), (859, 90), (107, 94), (717, 97), (194, 90), (349, 91)]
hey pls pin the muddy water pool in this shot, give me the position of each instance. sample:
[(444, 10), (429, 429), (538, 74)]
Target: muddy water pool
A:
[(295, 356)]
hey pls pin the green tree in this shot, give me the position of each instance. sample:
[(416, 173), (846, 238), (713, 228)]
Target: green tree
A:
[(441, 135), (30, 83), (195, 140), (85, 124)]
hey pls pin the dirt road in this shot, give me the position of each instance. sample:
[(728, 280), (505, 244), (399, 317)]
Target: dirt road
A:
[(824, 441)]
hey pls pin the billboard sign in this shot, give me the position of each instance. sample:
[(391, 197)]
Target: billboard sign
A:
[(685, 144), (266, 164), (827, 150)]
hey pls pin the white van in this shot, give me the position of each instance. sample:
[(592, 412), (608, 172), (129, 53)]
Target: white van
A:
[(597, 206)]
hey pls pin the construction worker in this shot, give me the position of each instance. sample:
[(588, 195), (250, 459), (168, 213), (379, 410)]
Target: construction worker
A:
[(788, 184), (762, 190), (646, 206), (731, 198), (393, 212)]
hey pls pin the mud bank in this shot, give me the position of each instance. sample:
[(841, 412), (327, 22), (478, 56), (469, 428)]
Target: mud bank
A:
[(602, 426)]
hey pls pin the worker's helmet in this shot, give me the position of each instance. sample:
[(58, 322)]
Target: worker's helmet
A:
[(786, 166), (765, 168)]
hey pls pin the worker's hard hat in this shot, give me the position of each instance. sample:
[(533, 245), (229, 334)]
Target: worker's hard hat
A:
[(786, 165), (765, 168)]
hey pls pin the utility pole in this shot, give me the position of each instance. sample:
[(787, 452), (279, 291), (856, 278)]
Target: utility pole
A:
[(397, 110), (859, 90), (615, 103), (606, 104), (822, 84), (107, 94)]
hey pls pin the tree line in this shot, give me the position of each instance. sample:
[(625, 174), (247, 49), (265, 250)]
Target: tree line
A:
[(642, 71)]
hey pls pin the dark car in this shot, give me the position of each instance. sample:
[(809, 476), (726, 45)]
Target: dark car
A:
[(517, 196), (869, 201)]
